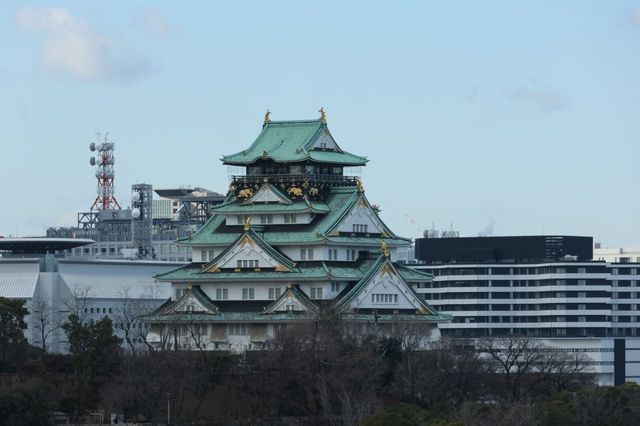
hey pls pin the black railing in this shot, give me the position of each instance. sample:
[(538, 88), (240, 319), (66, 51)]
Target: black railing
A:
[(301, 177)]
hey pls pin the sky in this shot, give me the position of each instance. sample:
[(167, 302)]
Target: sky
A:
[(492, 117)]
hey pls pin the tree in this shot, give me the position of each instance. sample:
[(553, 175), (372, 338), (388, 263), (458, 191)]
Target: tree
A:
[(445, 374), (525, 366), (321, 368), (129, 316), (45, 322), (12, 325), (24, 404), (95, 352)]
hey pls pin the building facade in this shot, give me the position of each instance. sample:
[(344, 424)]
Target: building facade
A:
[(571, 305), (53, 287), (296, 234)]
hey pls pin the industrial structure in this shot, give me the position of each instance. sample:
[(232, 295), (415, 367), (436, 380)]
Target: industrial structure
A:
[(147, 230), (296, 234)]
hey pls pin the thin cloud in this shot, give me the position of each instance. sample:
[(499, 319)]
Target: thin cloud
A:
[(72, 48), (537, 94), (154, 23), (636, 17)]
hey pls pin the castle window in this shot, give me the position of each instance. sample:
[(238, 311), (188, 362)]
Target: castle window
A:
[(290, 218), (360, 228), (274, 293), (266, 218), (248, 293), (316, 292), (384, 298), (333, 254), (222, 293), (238, 330), (351, 254)]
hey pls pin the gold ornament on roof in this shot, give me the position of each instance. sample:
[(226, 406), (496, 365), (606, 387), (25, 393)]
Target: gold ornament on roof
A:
[(267, 117), (323, 116), (247, 223), (245, 193), (360, 184), (189, 285), (295, 191), (289, 285), (385, 248)]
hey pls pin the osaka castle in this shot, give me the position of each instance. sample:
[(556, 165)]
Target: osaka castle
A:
[(296, 235)]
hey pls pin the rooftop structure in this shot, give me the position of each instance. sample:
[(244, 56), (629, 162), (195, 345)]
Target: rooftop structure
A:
[(33, 245), (294, 234), (529, 248)]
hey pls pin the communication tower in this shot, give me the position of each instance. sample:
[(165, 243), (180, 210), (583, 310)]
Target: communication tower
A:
[(104, 161), (142, 219)]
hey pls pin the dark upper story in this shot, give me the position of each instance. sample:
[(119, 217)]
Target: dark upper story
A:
[(286, 151), (516, 249)]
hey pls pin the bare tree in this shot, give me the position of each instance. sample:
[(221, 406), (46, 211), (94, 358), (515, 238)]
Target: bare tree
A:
[(46, 322), (129, 315), (524, 365), (79, 302)]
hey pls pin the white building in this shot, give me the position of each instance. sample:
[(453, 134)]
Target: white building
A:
[(589, 307), (621, 255), (34, 270)]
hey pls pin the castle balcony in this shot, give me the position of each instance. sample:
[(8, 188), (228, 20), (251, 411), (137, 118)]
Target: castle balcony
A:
[(294, 178)]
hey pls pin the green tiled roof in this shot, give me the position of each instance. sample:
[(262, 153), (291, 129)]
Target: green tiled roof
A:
[(380, 263), (294, 292), (257, 239), (289, 142), (259, 317), (340, 201), (303, 206), (303, 271), (274, 189)]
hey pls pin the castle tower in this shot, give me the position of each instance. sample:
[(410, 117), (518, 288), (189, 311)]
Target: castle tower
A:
[(296, 232)]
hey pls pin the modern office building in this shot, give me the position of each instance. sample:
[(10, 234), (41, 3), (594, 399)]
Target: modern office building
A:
[(542, 287)]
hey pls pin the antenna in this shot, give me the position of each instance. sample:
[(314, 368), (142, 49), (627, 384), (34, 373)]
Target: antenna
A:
[(104, 161)]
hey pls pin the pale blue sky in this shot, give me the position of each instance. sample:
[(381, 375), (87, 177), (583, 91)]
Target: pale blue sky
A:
[(521, 114)]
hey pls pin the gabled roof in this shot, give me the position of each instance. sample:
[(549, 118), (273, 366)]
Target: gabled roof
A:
[(268, 193), (193, 301), (340, 201), (310, 271), (359, 199), (292, 296), (250, 237), (292, 141), (383, 265), (304, 206)]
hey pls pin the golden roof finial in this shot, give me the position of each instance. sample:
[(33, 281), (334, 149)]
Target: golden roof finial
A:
[(247, 223), (323, 116), (189, 285), (385, 248), (267, 117), (289, 285), (360, 184)]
